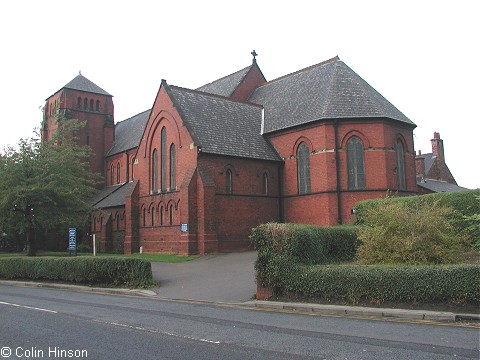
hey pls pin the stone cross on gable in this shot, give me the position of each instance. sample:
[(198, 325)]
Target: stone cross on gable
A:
[(254, 54)]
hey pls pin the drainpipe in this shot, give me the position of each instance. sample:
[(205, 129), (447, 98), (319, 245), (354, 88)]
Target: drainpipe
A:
[(280, 193), (337, 166)]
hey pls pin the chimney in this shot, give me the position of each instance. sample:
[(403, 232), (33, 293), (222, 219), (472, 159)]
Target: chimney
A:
[(437, 146), (420, 165)]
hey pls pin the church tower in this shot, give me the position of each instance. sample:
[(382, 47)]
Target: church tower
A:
[(83, 100)]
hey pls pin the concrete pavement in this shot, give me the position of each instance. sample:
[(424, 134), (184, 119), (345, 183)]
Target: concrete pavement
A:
[(225, 278)]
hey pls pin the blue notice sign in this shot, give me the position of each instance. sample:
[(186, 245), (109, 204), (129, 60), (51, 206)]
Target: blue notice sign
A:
[(184, 228), (72, 239)]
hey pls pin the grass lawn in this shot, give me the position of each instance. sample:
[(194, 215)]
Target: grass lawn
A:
[(167, 258)]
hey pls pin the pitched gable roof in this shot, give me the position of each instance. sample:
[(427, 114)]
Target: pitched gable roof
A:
[(222, 126), (81, 83), (226, 85), (128, 133), (329, 90)]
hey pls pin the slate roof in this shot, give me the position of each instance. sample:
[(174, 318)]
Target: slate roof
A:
[(439, 186), (226, 85), (222, 126), (429, 160), (329, 90), (115, 195), (80, 82), (128, 133)]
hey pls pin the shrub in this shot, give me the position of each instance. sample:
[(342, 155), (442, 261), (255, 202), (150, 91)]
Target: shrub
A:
[(82, 270), (307, 244), (376, 284), (422, 233), (465, 217)]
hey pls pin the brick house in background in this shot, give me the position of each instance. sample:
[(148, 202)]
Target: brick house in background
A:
[(433, 174), (202, 167)]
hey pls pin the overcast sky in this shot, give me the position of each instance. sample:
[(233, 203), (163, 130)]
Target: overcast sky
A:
[(423, 56)]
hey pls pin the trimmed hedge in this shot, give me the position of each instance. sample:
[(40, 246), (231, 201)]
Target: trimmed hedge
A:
[(81, 270), (281, 267), (376, 284), (307, 244)]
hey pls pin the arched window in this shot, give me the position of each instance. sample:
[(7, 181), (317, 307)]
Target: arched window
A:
[(229, 187), (85, 104), (161, 215), (400, 153), (79, 102), (265, 184), (97, 107), (117, 220), (118, 173), (153, 216), (355, 164), (303, 168), (91, 104), (173, 184), (155, 171), (163, 146), (144, 216), (112, 172), (170, 210)]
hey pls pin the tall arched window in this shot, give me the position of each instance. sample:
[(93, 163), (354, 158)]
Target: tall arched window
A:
[(303, 168), (400, 153), (85, 104), (161, 215), (155, 171), (112, 172), (163, 146), (118, 173), (153, 216), (355, 164), (170, 211), (144, 213), (173, 169), (79, 102), (265, 184), (229, 188), (91, 104), (97, 107), (117, 220)]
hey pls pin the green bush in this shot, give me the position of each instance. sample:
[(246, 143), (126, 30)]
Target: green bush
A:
[(419, 233), (376, 284), (82, 270), (465, 218), (285, 266), (307, 244)]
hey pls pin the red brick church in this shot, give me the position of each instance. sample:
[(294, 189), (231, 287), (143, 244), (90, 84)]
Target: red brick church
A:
[(196, 172)]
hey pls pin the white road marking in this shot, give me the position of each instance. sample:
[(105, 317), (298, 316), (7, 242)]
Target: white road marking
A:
[(28, 307), (154, 331)]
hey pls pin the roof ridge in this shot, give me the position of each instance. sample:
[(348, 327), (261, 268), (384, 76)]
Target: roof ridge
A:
[(334, 59), (214, 95), (226, 76)]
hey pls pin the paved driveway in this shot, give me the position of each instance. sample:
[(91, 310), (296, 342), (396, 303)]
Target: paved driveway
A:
[(228, 278)]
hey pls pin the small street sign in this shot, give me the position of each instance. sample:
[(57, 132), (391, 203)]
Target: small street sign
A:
[(72, 240)]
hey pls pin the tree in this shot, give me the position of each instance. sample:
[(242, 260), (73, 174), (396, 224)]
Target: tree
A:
[(46, 185)]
